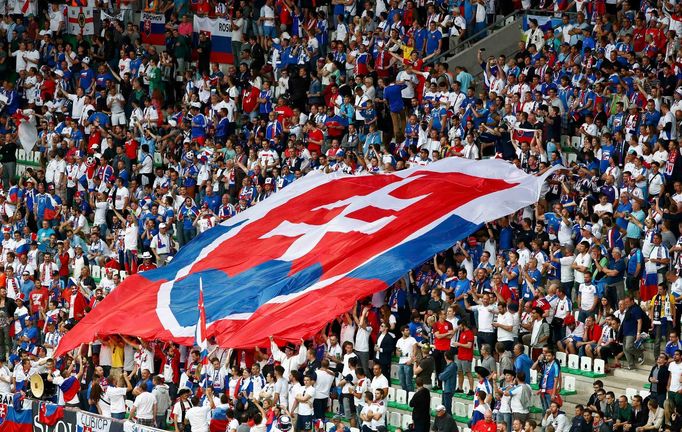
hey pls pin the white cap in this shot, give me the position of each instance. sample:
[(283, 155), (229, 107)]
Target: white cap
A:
[(285, 35), (86, 60), (196, 104)]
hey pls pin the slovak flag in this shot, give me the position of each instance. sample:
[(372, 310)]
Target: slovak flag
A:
[(17, 420), (286, 266), (523, 135), (70, 388), (50, 413), (200, 338)]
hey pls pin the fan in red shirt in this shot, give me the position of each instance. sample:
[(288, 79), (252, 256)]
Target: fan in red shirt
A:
[(170, 365), (443, 331), (38, 298), (315, 137), (131, 146), (76, 300), (147, 263), (485, 425)]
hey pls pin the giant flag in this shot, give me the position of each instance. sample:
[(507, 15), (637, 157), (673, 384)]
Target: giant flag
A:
[(290, 264), (220, 33)]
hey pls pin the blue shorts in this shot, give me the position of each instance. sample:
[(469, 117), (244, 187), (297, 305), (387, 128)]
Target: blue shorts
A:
[(269, 31), (304, 422)]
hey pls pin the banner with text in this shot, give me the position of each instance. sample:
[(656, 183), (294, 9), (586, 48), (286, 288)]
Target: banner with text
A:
[(153, 28), (219, 32)]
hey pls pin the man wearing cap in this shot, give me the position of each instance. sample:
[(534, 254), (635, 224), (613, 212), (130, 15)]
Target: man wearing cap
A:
[(444, 421), (288, 359)]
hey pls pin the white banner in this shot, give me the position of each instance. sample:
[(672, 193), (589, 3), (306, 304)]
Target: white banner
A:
[(86, 422), (129, 426), (28, 135), (118, 17), (80, 21), (5, 402)]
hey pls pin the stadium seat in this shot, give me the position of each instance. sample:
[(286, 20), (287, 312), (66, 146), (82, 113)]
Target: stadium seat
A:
[(460, 409), (526, 350), (394, 371), (434, 381), (123, 274), (466, 430), (585, 364), (96, 272), (158, 159), (576, 314), (401, 396), (599, 366), (407, 421), (335, 406), (394, 419), (569, 383), (169, 414), (573, 361), (410, 395), (465, 386), (435, 401), (36, 156), (129, 405), (644, 393), (533, 376), (561, 358), (630, 392), (470, 410), (575, 142), (565, 140), (391, 394), (21, 155), (571, 157), (354, 429), (328, 426)]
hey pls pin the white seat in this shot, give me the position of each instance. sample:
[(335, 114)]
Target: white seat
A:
[(526, 350), (410, 395), (573, 361), (630, 392), (169, 413), (158, 159), (129, 405), (328, 426), (394, 419), (96, 271), (465, 386), (36, 156), (391, 394), (470, 410), (561, 358), (644, 393), (599, 366), (585, 364), (394, 371), (575, 141), (460, 409), (123, 274), (570, 158), (407, 421), (354, 429), (336, 407), (565, 140), (576, 314), (401, 396), (533, 376), (434, 381), (466, 430), (21, 155), (569, 383), (435, 401)]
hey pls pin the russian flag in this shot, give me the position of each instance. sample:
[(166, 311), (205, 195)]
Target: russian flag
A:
[(22, 249), (153, 28), (17, 420), (218, 30), (50, 211), (219, 420), (523, 135), (70, 388), (50, 413)]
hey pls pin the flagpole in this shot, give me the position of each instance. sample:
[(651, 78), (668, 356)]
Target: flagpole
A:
[(202, 320)]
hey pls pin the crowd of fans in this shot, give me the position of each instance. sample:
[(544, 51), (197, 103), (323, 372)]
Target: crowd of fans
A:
[(142, 148)]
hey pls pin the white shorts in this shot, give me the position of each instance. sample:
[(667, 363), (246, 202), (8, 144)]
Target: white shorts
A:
[(118, 119)]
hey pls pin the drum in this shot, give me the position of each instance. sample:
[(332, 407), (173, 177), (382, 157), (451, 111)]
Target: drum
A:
[(41, 388)]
